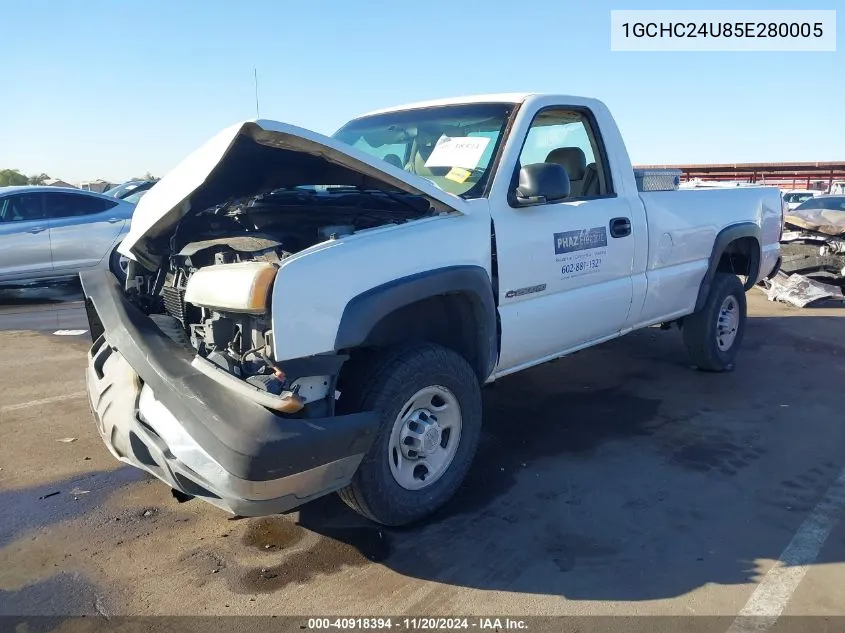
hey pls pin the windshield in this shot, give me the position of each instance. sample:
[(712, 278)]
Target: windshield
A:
[(835, 203), (792, 198), (452, 146), (134, 197), (119, 190)]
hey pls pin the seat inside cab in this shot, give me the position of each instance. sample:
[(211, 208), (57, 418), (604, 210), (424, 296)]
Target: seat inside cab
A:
[(583, 178)]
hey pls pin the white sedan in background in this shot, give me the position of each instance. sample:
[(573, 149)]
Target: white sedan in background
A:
[(794, 197), (52, 233)]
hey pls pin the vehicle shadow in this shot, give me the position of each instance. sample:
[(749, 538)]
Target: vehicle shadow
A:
[(46, 307), (622, 474), (46, 293)]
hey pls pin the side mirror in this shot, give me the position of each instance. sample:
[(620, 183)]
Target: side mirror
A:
[(542, 182)]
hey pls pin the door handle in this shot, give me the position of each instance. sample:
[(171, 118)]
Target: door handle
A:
[(37, 229), (620, 227), (113, 220)]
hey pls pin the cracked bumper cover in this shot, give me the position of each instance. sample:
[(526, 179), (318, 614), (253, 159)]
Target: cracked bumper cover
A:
[(156, 412)]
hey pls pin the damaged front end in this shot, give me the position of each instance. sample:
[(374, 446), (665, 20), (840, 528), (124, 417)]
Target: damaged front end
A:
[(157, 411), (212, 290), (813, 256), (184, 379)]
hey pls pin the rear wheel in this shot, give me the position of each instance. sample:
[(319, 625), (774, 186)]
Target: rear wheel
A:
[(714, 334), (429, 402)]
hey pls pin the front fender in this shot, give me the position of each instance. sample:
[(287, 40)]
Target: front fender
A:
[(365, 311), (321, 295)]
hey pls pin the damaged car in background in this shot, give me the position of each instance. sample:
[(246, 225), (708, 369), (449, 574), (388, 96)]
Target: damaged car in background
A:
[(813, 253)]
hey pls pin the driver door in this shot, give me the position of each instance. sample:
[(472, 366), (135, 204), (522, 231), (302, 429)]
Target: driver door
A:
[(565, 266)]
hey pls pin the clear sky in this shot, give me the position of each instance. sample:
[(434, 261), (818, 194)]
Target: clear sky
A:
[(113, 89)]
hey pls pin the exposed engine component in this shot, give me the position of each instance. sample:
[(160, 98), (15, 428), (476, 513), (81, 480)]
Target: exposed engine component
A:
[(219, 290), (174, 300), (833, 247), (218, 278), (242, 287), (334, 232), (242, 244)]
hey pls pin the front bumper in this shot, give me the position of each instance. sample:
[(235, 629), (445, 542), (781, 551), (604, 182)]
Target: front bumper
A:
[(158, 413)]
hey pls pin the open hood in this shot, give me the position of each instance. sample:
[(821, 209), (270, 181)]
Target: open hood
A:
[(259, 156)]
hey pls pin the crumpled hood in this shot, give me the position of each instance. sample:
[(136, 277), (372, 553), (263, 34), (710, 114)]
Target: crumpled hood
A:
[(255, 157), (828, 221)]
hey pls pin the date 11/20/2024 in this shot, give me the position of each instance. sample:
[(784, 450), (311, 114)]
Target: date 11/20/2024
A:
[(418, 623)]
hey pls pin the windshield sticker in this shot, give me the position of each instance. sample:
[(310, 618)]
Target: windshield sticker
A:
[(458, 151), (580, 252), (459, 174)]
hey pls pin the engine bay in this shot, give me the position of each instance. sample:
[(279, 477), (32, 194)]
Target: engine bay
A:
[(232, 244)]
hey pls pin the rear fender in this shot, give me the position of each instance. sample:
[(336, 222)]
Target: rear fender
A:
[(720, 245)]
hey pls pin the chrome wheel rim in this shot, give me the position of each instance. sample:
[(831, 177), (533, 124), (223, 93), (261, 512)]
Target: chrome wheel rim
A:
[(727, 323), (424, 438)]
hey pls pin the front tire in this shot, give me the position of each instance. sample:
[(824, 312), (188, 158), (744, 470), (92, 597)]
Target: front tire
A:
[(713, 335), (429, 402), (118, 265)]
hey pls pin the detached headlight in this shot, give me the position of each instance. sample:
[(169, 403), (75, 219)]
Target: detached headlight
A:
[(242, 287)]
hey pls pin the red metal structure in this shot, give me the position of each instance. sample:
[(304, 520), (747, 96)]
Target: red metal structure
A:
[(819, 175)]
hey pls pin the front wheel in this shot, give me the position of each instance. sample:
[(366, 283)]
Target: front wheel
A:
[(429, 402), (118, 264), (714, 334)]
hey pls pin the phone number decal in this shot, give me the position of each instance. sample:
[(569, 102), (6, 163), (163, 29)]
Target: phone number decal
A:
[(585, 265)]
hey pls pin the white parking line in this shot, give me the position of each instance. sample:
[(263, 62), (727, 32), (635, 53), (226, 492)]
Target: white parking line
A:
[(69, 332), (773, 593), (35, 403)]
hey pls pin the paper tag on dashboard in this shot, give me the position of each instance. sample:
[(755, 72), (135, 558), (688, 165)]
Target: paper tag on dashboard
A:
[(458, 151), (459, 174)]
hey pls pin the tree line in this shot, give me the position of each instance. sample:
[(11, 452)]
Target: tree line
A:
[(12, 177)]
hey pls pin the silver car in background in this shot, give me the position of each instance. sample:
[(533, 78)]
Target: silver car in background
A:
[(52, 233)]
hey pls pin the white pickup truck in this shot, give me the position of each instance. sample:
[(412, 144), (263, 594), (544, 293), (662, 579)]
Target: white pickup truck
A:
[(305, 314)]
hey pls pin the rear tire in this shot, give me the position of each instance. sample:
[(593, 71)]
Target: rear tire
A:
[(429, 402), (713, 335)]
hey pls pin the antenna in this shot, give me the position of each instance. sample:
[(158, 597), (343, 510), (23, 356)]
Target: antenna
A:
[(255, 77)]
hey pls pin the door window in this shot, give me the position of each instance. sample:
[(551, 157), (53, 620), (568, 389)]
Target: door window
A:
[(568, 138), (70, 205), (21, 207)]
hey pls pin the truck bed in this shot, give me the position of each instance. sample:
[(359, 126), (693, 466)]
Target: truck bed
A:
[(683, 226)]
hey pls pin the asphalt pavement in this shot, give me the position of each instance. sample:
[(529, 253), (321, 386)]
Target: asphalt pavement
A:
[(618, 481)]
